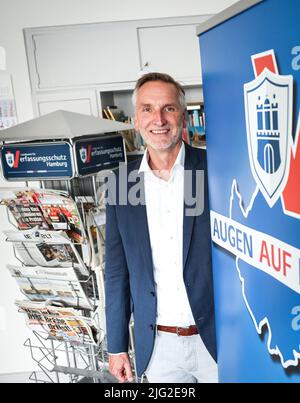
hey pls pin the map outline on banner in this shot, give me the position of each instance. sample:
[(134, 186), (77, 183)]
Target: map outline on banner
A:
[(260, 247)]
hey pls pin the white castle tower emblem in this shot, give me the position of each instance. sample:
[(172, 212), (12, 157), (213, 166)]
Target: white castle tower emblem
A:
[(268, 135), (268, 112)]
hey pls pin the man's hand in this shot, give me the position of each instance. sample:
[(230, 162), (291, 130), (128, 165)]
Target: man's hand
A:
[(119, 367)]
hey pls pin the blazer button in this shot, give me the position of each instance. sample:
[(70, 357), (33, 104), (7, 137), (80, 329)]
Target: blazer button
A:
[(151, 327), (152, 293)]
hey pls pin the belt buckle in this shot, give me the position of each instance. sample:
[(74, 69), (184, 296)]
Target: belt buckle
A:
[(178, 330)]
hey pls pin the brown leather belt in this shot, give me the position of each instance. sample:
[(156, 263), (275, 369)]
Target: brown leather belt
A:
[(180, 331)]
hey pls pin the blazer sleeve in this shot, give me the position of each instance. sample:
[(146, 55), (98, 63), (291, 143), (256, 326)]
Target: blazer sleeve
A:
[(117, 291)]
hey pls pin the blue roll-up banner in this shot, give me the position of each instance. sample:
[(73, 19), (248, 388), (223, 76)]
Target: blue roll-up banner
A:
[(95, 154), (251, 82), (39, 161)]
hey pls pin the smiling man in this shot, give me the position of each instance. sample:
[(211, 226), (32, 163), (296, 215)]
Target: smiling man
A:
[(158, 259), (160, 117)]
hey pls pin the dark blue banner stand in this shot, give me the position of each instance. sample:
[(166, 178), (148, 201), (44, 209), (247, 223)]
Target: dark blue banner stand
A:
[(61, 145), (95, 154), (251, 82), (40, 161), (61, 159)]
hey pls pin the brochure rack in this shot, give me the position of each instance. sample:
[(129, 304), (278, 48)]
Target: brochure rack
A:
[(58, 239)]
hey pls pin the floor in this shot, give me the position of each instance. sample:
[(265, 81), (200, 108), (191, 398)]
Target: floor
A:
[(27, 377), (19, 377)]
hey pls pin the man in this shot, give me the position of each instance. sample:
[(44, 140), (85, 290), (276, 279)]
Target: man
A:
[(158, 261)]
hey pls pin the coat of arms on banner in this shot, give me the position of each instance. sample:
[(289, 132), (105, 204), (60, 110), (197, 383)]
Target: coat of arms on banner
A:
[(10, 159), (268, 109), (83, 154)]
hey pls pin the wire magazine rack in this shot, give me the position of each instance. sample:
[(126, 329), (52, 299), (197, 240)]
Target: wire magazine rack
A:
[(61, 359)]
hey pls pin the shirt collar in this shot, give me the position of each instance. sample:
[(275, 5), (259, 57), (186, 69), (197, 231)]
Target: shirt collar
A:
[(144, 167)]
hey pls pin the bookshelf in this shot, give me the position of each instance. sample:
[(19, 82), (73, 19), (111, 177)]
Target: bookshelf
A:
[(196, 124)]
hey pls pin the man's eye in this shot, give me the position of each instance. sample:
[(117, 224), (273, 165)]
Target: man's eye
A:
[(146, 109), (170, 109)]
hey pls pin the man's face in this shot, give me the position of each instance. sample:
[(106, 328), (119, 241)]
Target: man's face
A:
[(159, 117)]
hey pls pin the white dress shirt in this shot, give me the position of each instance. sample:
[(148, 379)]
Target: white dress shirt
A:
[(164, 205)]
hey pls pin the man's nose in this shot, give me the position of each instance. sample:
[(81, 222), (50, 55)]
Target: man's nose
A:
[(159, 118)]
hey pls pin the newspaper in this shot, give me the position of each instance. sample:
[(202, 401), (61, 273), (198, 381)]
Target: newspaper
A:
[(46, 248), (60, 286), (59, 323), (35, 235), (44, 209)]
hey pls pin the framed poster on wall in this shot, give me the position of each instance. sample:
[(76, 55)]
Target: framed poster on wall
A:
[(8, 113)]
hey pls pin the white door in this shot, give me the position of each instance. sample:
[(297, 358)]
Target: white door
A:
[(172, 49)]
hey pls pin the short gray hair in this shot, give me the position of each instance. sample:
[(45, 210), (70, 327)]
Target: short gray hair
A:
[(159, 77)]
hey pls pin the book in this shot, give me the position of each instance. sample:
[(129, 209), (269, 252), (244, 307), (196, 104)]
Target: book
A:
[(105, 114), (196, 117), (110, 114)]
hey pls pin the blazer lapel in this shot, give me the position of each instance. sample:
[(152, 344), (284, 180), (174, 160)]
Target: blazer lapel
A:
[(190, 164), (144, 238), (140, 218)]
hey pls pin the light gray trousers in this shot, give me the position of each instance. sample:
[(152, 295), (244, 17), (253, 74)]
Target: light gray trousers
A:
[(180, 359)]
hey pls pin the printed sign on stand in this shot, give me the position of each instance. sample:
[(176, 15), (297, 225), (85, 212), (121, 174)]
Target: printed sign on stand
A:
[(23, 162), (95, 154)]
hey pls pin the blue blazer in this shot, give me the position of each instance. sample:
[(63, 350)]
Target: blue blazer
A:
[(129, 280)]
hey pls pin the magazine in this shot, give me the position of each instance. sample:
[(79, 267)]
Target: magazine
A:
[(44, 209), (46, 248), (27, 215), (59, 323), (60, 286)]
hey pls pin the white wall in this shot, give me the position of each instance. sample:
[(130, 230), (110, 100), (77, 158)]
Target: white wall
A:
[(16, 15)]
